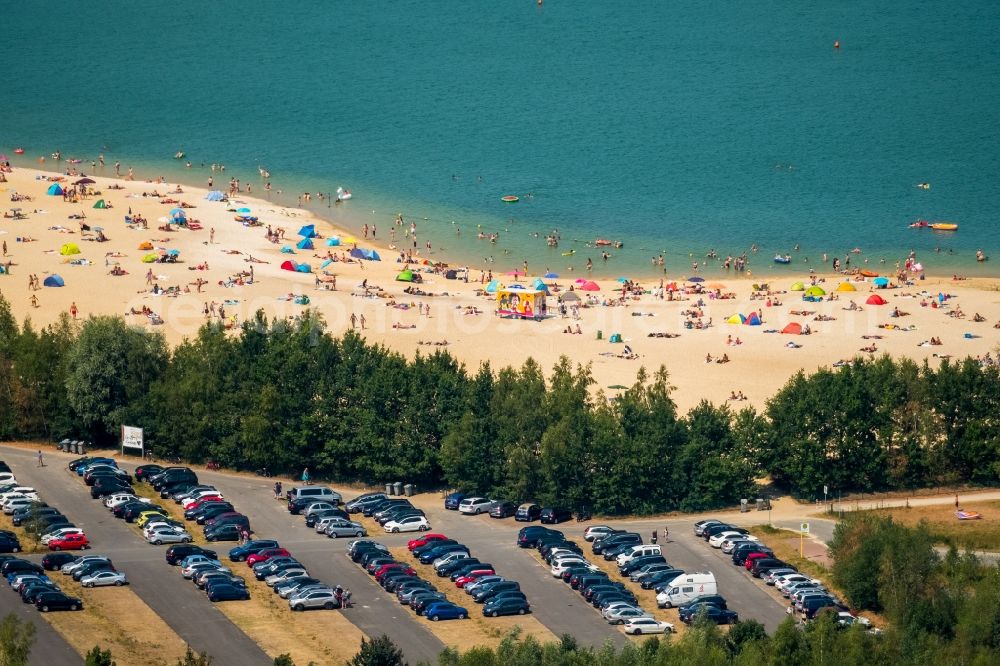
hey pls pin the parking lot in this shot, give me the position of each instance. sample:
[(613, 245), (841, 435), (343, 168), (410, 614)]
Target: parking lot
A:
[(186, 611)]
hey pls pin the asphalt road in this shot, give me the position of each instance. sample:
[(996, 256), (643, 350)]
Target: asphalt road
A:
[(181, 605), (49, 648)]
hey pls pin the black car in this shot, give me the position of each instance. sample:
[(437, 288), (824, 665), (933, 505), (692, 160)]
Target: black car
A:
[(179, 551), (240, 553), (654, 581), (527, 513), (431, 545), (93, 567), (210, 511), (713, 613), (490, 590), (315, 516), (431, 555), (555, 514), (143, 472), (584, 580), (19, 566), (224, 532), (295, 583), (450, 567), (740, 553), (9, 544), (421, 600), (372, 509), (51, 601), (359, 553), (528, 537), (639, 562), (226, 592), (232, 518), (615, 540), (506, 606), (712, 530), (21, 516), (358, 504), (503, 509), (108, 486), (29, 593), (54, 561)]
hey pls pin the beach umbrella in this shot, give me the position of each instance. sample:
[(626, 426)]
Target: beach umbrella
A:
[(54, 281), (881, 282), (514, 272), (491, 287), (798, 286), (333, 241), (550, 276), (309, 231), (570, 297), (816, 291), (696, 279), (590, 286), (178, 213), (580, 281), (243, 210), (735, 319), (215, 195), (716, 285), (350, 240), (846, 286), (85, 181), (174, 253), (622, 280)]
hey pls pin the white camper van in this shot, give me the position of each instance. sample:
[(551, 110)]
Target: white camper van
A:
[(686, 587)]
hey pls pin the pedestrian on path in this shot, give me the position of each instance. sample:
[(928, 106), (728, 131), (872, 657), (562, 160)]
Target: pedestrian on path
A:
[(41, 463), (652, 539), (305, 475), (666, 533), (277, 490), (956, 501)]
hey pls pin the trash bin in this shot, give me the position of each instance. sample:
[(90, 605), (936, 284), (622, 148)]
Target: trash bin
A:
[(76, 447), (760, 504), (83, 447), (600, 334), (744, 506), (64, 445), (388, 489), (398, 487), (409, 490)]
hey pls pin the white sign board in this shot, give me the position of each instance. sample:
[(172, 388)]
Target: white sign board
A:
[(804, 528), (132, 438)]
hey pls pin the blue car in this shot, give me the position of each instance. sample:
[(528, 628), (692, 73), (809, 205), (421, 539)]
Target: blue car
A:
[(445, 610), (240, 553), (81, 470), (453, 500), (434, 553)]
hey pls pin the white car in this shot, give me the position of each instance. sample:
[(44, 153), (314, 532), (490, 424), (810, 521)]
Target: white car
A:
[(596, 532), (18, 581), (790, 579), (166, 535), (716, 540), (475, 505), (60, 533), (70, 567), (191, 569), (287, 574), (111, 501), (559, 566), (774, 575), (730, 544), (12, 506), (102, 578), (21, 492), (408, 524), (647, 625), (7, 477)]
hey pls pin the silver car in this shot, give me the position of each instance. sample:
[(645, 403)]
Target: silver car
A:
[(315, 598), (345, 528), (166, 535), (294, 572), (301, 589), (623, 615), (102, 578)]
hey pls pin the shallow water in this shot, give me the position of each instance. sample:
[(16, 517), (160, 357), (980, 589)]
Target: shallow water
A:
[(673, 128)]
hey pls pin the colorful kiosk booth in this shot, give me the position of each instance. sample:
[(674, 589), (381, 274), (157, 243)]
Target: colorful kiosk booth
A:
[(521, 303)]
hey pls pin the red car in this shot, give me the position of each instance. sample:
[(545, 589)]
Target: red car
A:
[(70, 542), (387, 568), (424, 540), (265, 555), (194, 504), (462, 581)]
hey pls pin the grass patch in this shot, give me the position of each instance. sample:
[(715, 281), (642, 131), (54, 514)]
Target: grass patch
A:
[(118, 620), (484, 630), (315, 636), (983, 534), (785, 545)]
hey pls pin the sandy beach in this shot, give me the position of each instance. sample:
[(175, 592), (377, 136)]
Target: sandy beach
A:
[(223, 252)]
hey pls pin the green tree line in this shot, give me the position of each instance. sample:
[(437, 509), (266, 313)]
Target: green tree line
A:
[(286, 395)]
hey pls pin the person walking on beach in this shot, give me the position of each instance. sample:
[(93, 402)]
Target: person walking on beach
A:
[(41, 463), (73, 309), (363, 321), (5, 248), (118, 168), (211, 237), (354, 320), (34, 301)]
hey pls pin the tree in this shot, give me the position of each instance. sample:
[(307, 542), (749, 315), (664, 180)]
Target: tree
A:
[(16, 639), (190, 659), (379, 651), (284, 660), (99, 657)]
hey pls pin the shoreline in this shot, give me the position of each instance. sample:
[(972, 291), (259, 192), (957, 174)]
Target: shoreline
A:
[(351, 217), (455, 318)]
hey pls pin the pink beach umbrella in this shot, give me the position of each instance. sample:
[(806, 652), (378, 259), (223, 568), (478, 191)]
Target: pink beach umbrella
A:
[(589, 286)]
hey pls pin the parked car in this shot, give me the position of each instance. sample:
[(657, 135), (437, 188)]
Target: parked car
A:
[(103, 578), (357, 504), (225, 532), (506, 606), (314, 598), (51, 601), (528, 512), (286, 574), (475, 505), (55, 561), (424, 540), (164, 535), (241, 552), (598, 531), (265, 554), (623, 613), (713, 613), (555, 514), (59, 533), (70, 542), (408, 524), (452, 501), (177, 553), (647, 625), (9, 543), (341, 528), (444, 610), (503, 509), (228, 592)]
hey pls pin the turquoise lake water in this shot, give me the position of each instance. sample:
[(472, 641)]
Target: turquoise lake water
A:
[(673, 127)]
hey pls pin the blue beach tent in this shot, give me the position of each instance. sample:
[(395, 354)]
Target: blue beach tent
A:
[(308, 231), (303, 268), (54, 281), (55, 190), (332, 241), (287, 250), (305, 244), (215, 195)]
